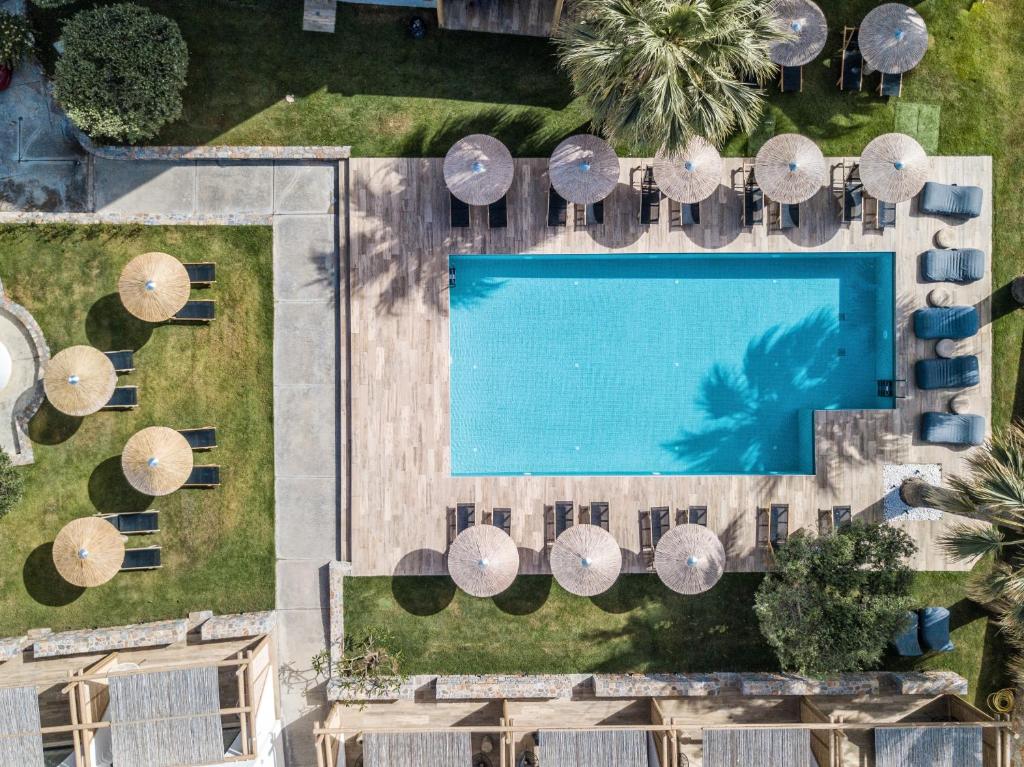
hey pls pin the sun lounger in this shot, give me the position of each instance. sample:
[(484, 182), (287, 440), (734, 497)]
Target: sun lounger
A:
[(650, 198), (497, 214), (135, 522), (853, 201), (697, 515), (202, 275), (563, 517), (124, 398), (597, 514), (753, 205), (556, 208), (465, 516), (905, 642), (951, 200), (946, 322), (203, 477), (646, 538), (789, 217), (123, 361), (953, 264), (885, 214), (459, 212), (955, 373), (833, 520), (502, 519), (934, 622), (890, 86), (952, 429), (204, 438), (660, 523), (791, 79), (851, 67), (141, 559), (589, 215), (196, 311), (683, 214)]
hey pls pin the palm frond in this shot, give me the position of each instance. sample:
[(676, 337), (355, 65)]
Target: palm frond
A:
[(968, 542)]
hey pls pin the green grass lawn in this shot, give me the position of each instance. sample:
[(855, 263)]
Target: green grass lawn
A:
[(638, 625), (218, 545)]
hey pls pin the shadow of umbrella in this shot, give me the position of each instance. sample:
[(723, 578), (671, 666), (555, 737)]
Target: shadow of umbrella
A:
[(110, 492), (42, 581), (49, 426), (110, 327), (423, 594), (526, 595)]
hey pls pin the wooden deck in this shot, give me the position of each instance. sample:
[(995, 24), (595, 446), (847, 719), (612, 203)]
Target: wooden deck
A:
[(508, 17), (401, 483)]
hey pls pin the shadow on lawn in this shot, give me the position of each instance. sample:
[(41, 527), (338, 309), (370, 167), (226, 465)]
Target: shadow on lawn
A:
[(526, 595), (42, 581), (49, 426), (110, 492), (423, 595), (110, 327)]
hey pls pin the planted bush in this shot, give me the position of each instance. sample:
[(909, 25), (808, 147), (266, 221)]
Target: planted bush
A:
[(122, 72), (53, 3), (15, 39), (833, 603), (11, 484)]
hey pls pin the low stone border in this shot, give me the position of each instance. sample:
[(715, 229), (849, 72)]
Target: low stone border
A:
[(113, 638), (239, 626), (624, 686), (42, 353), (212, 152), (336, 572), (11, 646)]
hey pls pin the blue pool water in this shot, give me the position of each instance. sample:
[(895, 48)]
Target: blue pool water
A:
[(670, 364)]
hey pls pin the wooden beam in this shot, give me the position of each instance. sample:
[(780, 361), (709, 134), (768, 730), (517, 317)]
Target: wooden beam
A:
[(253, 703), (440, 13)]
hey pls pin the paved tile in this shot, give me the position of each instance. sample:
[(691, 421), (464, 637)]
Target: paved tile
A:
[(302, 584), (306, 517), (304, 431), (304, 342), (305, 187), (234, 188), (305, 258), (152, 188)]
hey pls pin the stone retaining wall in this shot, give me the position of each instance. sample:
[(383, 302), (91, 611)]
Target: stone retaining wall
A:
[(11, 646), (114, 638), (336, 572), (753, 684), (239, 626), (213, 152)]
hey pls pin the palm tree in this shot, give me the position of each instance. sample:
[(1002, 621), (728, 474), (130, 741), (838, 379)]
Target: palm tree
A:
[(659, 72)]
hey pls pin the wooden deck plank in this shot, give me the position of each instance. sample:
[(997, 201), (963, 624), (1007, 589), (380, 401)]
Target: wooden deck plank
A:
[(508, 17), (401, 482)]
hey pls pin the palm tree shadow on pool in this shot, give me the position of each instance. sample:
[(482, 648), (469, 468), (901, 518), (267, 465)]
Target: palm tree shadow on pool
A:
[(750, 410)]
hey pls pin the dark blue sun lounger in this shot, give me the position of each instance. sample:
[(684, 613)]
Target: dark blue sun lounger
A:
[(946, 322), (497, 214), (789, 216), (953, 265), (853, 201), (203, 438), (123, 398), (202, 274), (196, 311), (791, 80), (556, 208), (135, 522), (952, 429), (123, 361), (890, 86), (141, 559), (753, 205), (955, 373), (459, 213), (951, 200), (203, 477)]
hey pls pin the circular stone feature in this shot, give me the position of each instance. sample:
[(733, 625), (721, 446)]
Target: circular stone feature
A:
[(6, 366), (946, 348), (939, 297), (945, 237), (961, 403)]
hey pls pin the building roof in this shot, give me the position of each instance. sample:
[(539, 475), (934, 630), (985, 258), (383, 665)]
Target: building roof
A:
[(20, 740), (928, 747), (413, 749), (595, 748), (757, 747), (166, 718)]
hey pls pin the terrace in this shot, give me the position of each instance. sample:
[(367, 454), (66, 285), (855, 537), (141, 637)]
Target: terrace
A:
[(399, 417)]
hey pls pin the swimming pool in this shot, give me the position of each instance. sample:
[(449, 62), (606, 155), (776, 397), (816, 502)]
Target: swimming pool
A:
[(661, 364)]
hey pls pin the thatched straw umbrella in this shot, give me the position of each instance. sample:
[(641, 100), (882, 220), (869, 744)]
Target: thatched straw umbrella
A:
[(88, 551), (586, 560), (478, 169), (483, 560), (584, 169), (156, 460), (689, 559), (893, 167), (893, 38), (790, 168), (690, 175), (807, 29), (79, 380), (154, 286)]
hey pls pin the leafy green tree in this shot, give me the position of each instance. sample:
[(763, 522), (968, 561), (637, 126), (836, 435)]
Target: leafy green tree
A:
[(15, 39), (658, 72), (833, 602), (11, 484), (122, 72)]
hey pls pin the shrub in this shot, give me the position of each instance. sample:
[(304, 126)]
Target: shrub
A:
[(53, 3), (122, 71), (11, 484), (833, 602), (15, 38)]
